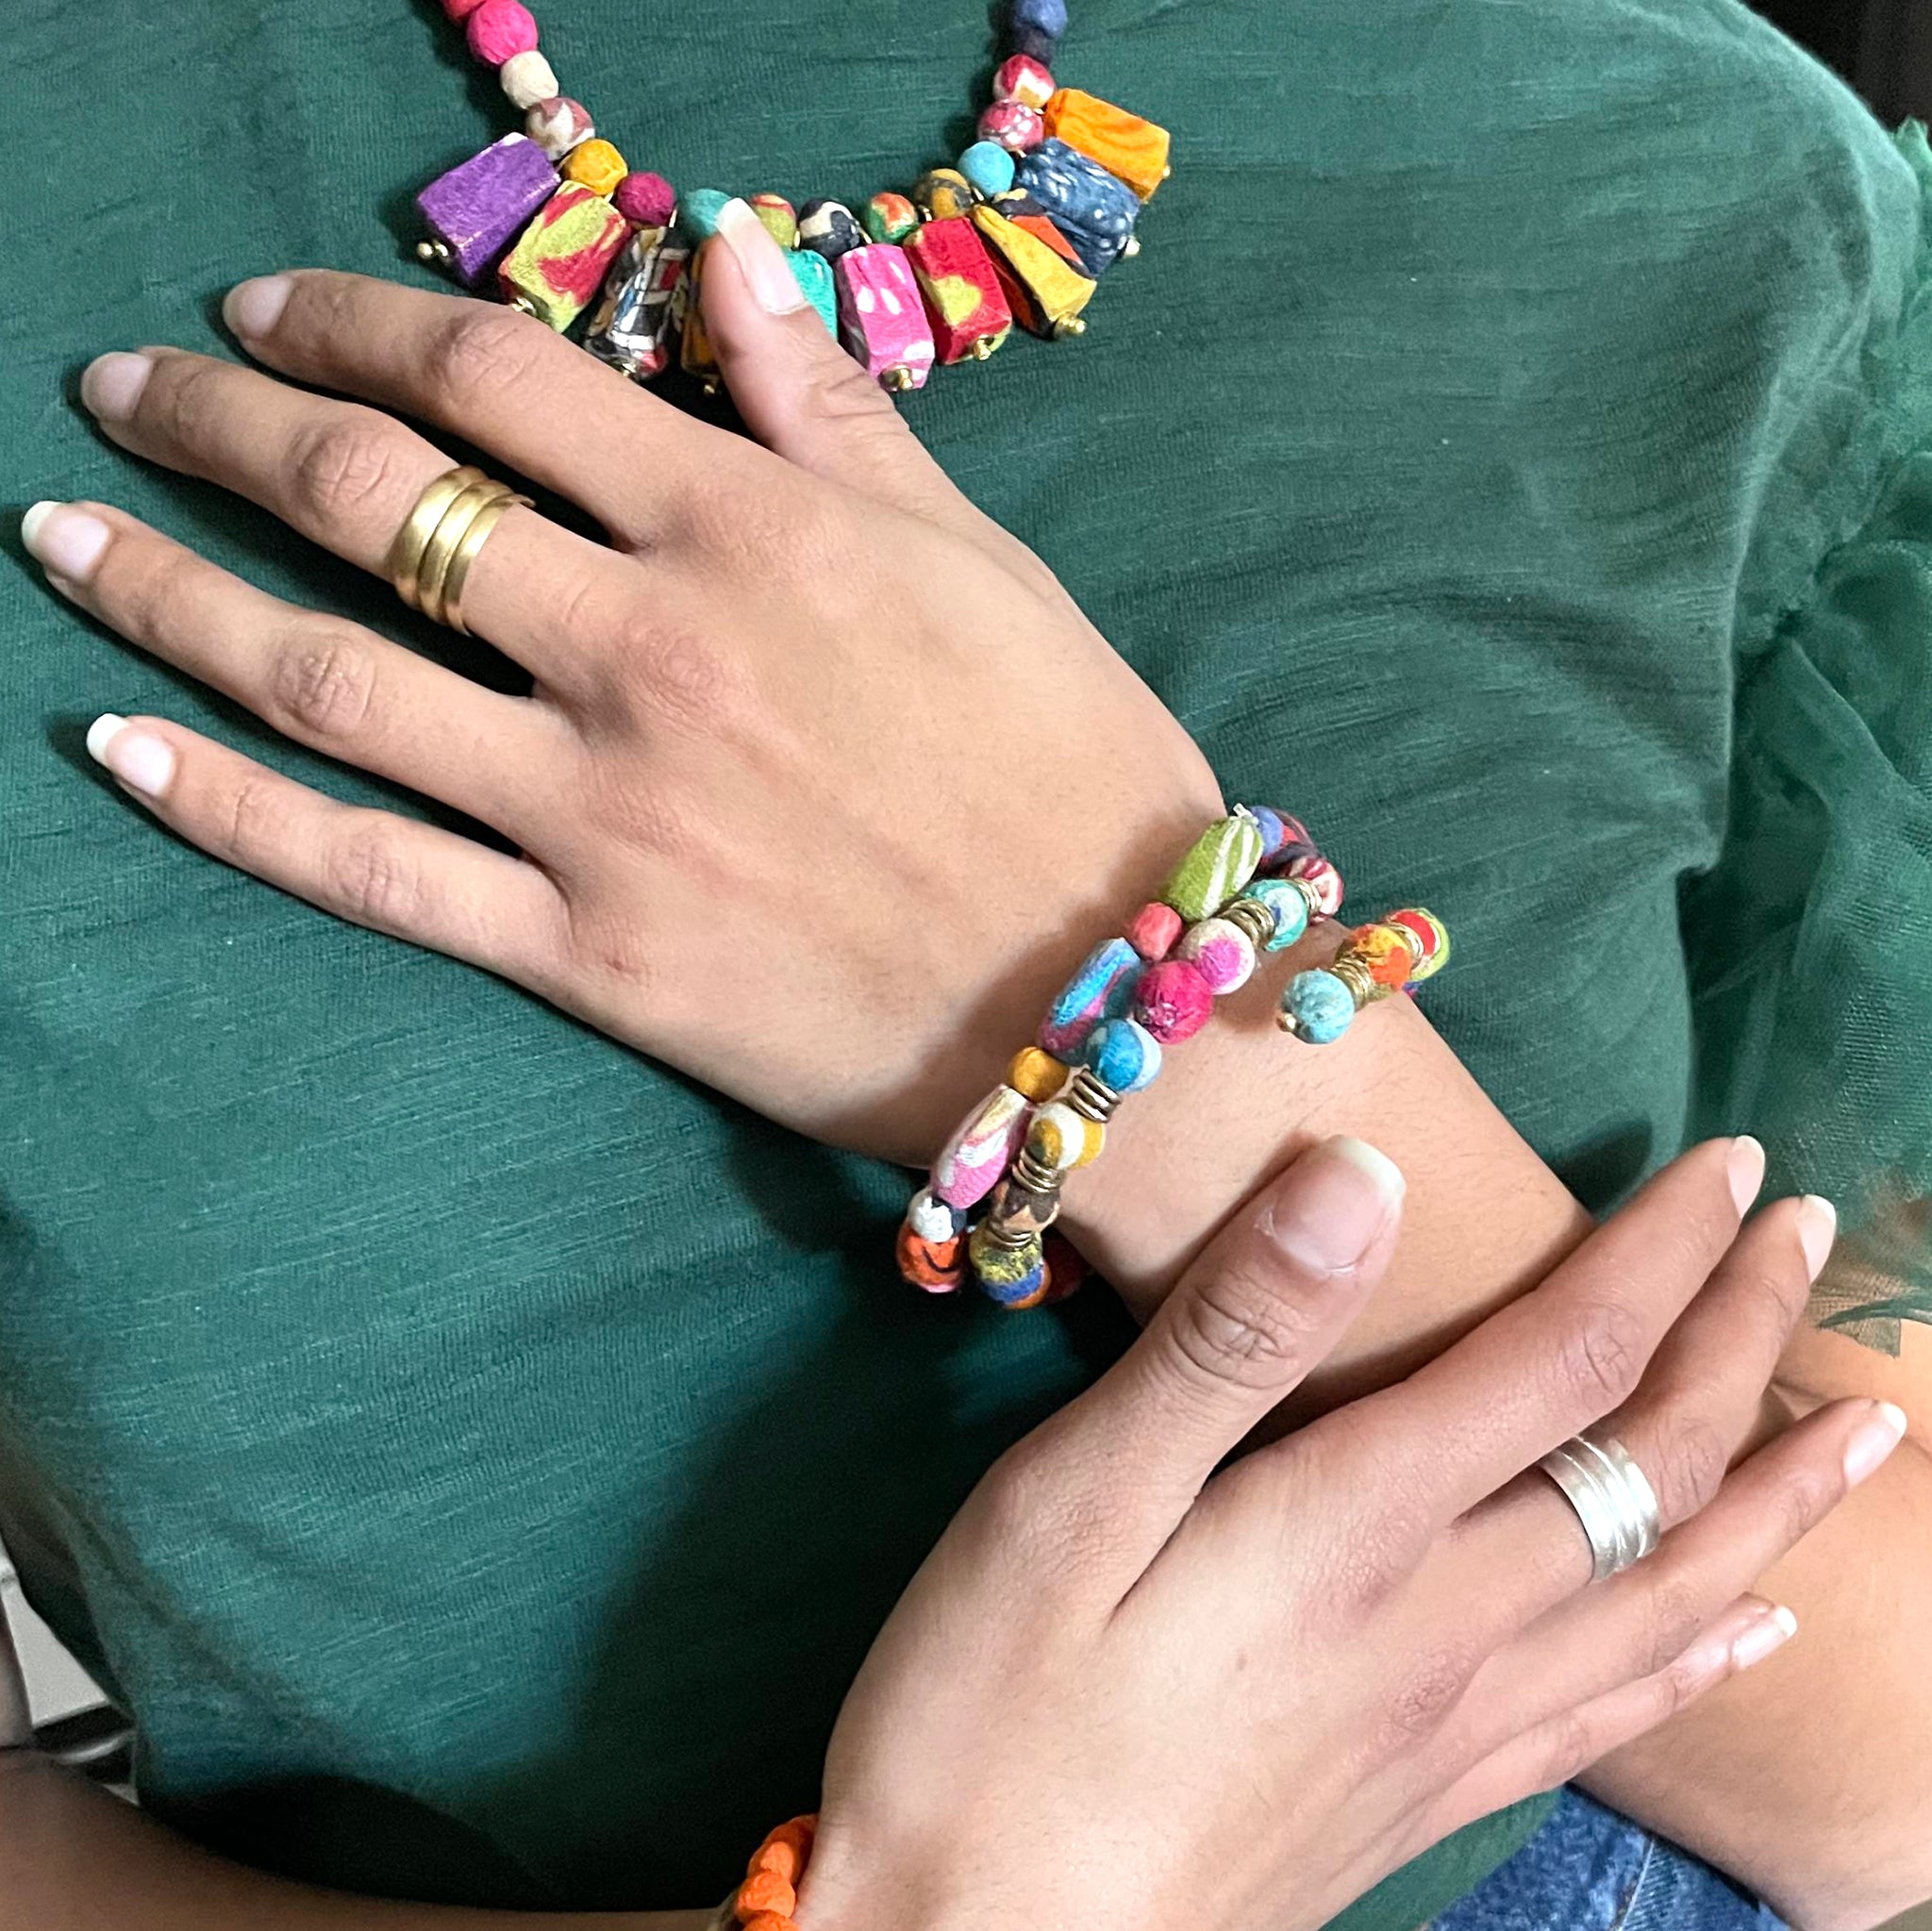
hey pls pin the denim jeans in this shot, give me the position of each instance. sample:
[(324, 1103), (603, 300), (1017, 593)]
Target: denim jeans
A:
[(1589, 1869)]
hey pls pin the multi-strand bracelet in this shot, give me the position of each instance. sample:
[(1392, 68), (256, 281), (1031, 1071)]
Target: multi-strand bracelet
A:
[(1252, 883), (769, 1896)]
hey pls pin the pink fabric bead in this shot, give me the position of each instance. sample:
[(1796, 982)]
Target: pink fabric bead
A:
[(1326, 879), (1221, 953), (1174, 1001), (1023, 78), (499, 30), (1153, 930), (460, 9), (1013, 124), (647, 200)]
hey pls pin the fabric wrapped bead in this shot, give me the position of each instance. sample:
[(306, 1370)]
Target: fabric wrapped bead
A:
[(779, 217), (989, 167), (476, 209), (698, 215), (931, 1219), (561, 259), (981, 1148), (1221, 953), (1317, 1007), (941, 194), (1123, 1054), (1066, 1269), (937, 1266), (1010, 1276), (1044, 293), (1089, 206), (558, 124), (1034, 45), (1323, 876), (1102, 989), (829, 229), (1049, 17), (813, 274), (1012, 125), (1153, 930), (1431, 936), (595, 165), (1061, 1138), (499, 30), (1172, 1002), (527, 78), (646, 200), (1287, 903), (459, 11), (635, 322), (1013, 1209), (1024, 80), (881, 319), (1133, 150), (1390, 954), (889, 217), (1272, 830), (1037, 1075), (963, 298), (1222, 861)]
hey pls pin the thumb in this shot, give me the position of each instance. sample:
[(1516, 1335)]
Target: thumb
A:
[(1260, 1309), (798, 390)]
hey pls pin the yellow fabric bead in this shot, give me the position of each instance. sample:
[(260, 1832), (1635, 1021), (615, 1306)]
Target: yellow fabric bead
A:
[(597, 165), (1061, 1139), (1037, 1075)]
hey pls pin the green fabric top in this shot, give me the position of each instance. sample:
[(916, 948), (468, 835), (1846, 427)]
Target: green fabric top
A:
[(1497, 455)]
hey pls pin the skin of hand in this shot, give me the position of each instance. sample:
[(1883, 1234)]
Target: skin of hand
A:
[(1076, 1716), (1084, 1706), (781, 789)]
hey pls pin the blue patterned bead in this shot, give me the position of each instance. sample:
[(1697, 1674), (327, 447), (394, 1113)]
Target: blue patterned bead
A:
[(1093, 210), (697, 213), (1272, 831), (1124, 1054), (989, 167), (1288, 906), (1102, 989), (1047, 17), (1318, 1007), (814, 273)]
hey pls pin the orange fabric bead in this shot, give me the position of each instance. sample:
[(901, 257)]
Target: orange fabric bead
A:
[(786, 1849), (1036, 1075), (768, 1920), (597, 165), (1390, 953), (765, 1890), (938, 1266), (1127, 146)]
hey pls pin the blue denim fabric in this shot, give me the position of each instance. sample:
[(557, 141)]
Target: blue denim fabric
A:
[(1589, 1869)]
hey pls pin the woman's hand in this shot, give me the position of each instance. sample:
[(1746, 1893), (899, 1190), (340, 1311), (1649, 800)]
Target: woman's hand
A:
[(1127, 1689), (824, 783)]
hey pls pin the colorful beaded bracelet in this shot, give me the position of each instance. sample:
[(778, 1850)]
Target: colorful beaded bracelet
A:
[(1251, 883), (1038, 206), (1394, 954), (769, 1896)]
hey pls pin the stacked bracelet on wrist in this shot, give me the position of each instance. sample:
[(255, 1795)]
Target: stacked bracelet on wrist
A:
[(769, 1896), (1252, 882)]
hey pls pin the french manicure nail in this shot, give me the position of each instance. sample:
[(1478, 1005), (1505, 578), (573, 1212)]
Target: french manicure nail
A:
[(1764, 1637), (760, 260), (1332, 1204), (1746, 1168), (140, 760), (1817, 1230), (110, 386), (254, 307), (1871, 1447), (66, 541)]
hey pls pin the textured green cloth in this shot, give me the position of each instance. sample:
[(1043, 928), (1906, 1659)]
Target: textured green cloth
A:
[(1496, 455)]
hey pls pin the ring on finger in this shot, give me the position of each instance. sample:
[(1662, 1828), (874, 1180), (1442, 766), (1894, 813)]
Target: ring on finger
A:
[(446, 529), (1612, 1497)]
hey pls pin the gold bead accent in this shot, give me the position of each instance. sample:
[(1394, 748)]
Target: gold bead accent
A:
[(1092, 1097), (1131, 249), (437, 252), (1069, 325), (1354, 973), (1031, 1173), (523, 304), (984, 347), (897, 378), (1167, 173), (1250, 916), (711, 384)]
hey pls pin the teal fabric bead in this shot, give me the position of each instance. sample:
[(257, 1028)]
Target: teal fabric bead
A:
[(814, 273), (698, 214), (989, 167), (1320, 1007), (1123, 1054), (1288, 906)]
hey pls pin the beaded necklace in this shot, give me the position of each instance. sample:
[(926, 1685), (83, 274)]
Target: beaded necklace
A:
[(1041, 205)]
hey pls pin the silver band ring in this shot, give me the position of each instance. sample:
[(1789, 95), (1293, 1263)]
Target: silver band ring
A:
[(1612, 1497)]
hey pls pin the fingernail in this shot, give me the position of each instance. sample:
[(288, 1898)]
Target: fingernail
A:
[(254, 307), (64, 540), (1332, 1204), (112, 385), (1871, 1447), (1817, 1230), (1746, 1169), (139, 759), (1764, 1637), (760, 260)]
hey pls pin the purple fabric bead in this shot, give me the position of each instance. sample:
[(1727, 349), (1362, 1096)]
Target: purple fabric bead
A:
[(479, 208)]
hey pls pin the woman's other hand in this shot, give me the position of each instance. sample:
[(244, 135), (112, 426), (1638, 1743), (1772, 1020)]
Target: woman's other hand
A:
[(1128, 1688), (823, 778)]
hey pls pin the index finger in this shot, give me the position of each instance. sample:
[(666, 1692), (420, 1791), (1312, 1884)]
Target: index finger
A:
[(1569, 1353)]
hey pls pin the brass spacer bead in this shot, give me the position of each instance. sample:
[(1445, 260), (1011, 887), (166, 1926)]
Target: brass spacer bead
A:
[(1092, 1097), (1251, 917), (1354, 973), (1032, 1174)]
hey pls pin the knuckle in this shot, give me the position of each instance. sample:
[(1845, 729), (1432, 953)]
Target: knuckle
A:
[(1603, 1355), (1233, 1327), (1802, 1499), (1569, 1748), (1691, 1469), (151, 599), (323, 683), (1674, 1612), (255, 817), (841, 394), (368, 878), (183, 396), (1431, 1686), (347, 461), (676, 676), (482, 351)]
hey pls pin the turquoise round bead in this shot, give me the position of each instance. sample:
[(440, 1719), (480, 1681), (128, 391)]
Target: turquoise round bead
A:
[(698, 213), (1123, 1054), (1320, 1006), (989, 167), (1287, 903)]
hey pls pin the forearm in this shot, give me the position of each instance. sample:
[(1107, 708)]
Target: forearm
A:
[(73, 1859)]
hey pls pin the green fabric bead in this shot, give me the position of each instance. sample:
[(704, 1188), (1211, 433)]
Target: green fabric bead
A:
[(1222, 861)]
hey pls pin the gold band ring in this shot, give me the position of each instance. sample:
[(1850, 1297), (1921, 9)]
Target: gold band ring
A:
[(446, 529)]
